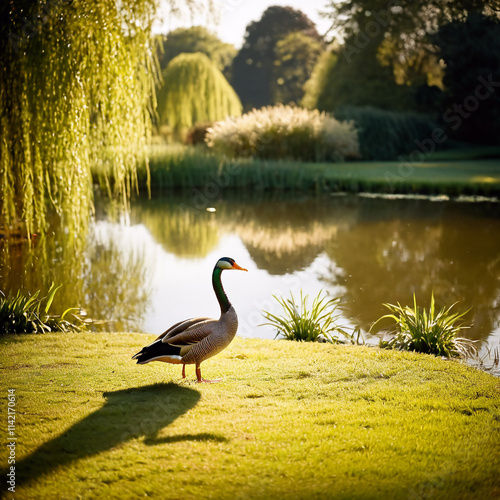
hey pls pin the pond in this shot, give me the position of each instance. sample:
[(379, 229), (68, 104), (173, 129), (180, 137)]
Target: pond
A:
[(153, 269)]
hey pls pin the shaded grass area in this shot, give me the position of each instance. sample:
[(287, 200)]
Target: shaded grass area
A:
[(290, 420), (186, 168)]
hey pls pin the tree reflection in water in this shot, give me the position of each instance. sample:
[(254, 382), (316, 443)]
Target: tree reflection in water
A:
[(398, 247), (103, 274), (384, 250)]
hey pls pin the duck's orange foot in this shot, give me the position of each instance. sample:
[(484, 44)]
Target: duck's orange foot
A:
[(204, 381)]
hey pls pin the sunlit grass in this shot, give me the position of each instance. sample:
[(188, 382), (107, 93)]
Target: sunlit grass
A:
[(427, 331), (289, 420)]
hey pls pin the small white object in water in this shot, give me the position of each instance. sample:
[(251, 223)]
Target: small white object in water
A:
[(211, 209)]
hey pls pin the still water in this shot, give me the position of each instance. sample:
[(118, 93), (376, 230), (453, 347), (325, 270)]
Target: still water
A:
[(154, 268)]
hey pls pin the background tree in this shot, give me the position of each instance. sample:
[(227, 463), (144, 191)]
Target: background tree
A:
[(196, 39), (296, 56), (316, 83), (406, 23), (382, 38), (361, 80), (195, 91), (471, 53), (253, 66), (76, 89)]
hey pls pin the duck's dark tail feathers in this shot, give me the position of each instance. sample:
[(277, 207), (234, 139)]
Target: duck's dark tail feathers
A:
[(158, 351)]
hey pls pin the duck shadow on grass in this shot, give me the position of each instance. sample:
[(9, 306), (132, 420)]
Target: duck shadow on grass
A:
[(127, 414)]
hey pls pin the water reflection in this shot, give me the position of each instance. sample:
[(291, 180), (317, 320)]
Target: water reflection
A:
[(285, 236), (398, 248), (156, 271), (181, 231), (116, 276), (106, 274)]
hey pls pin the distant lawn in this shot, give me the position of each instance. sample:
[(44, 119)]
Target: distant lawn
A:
[(458, 172), (473, 177), (290, 420)]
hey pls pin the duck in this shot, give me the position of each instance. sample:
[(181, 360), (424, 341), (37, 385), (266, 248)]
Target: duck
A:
[(194, 340)]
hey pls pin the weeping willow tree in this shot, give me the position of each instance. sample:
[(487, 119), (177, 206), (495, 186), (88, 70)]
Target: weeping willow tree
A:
[(76, 93), (195, 91)]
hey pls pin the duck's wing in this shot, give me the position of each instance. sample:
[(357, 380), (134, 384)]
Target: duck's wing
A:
[(192, 335), (180, 327), (181, 337)]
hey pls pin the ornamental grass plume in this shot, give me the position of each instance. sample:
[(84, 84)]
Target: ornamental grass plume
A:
[(285, 132)]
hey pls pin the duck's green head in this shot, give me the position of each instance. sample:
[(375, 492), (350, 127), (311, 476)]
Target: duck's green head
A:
[(228, 263)]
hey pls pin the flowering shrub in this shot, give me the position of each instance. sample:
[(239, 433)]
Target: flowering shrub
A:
[(285, 132)]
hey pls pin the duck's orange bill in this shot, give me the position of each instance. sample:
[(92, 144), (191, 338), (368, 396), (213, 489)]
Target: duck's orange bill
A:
[(235, 266)]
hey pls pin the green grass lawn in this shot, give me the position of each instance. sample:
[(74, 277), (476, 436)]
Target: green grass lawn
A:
[(289, 420), (481, 177)]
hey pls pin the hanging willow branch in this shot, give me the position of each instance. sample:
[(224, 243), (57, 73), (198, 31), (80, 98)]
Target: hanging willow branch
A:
[(76, 87)]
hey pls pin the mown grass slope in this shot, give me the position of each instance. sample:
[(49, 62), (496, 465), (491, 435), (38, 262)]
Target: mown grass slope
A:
[(289, 420)]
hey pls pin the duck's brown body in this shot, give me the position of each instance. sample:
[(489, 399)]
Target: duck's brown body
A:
[(196, 339)]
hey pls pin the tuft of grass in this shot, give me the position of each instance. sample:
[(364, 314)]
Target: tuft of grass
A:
[(316, 324), (290, 420), (429, 331), (31, 314)]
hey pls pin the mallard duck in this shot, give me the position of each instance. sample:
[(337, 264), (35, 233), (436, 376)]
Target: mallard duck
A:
[(196, 339)]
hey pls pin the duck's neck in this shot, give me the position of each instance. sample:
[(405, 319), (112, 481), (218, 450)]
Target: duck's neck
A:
[(219, 291)]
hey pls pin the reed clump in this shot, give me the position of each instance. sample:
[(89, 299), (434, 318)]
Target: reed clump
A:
[(319, 323), (185, 167), (427, 331), (22, 313)]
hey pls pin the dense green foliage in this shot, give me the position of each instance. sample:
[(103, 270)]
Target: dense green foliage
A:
[(254, 66), (316, 83), (196, 39), (392, 57), (399, 33), (296, 57), (289, 420), (360, 79), (75, 89), (429, 331), (471, 53), (31, 314), (386, 135), (285, 132), (195, 91)]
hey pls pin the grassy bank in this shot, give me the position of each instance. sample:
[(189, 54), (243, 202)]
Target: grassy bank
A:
[(290, 420), (184, 168)]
